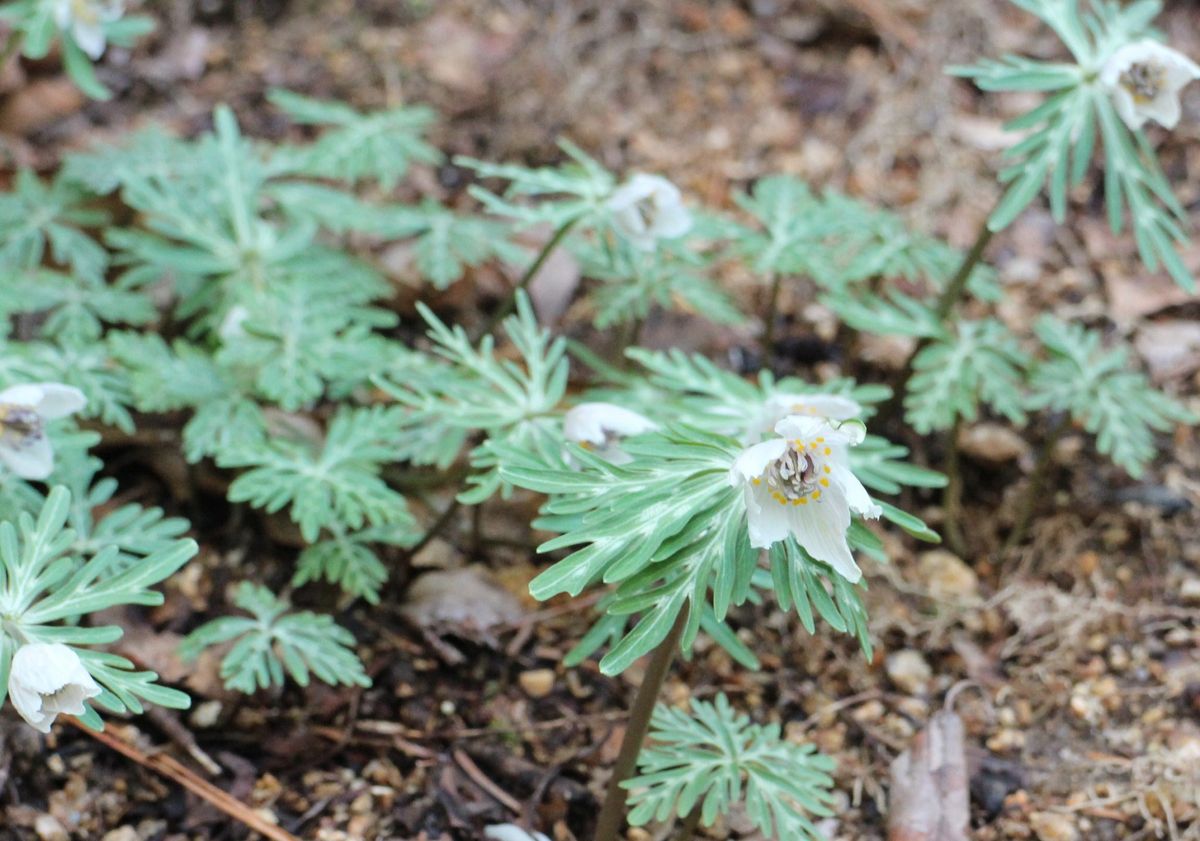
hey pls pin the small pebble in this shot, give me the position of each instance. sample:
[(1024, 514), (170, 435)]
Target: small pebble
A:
[(537, 683), (946, 576), (908, 670), (122, 833), (1052, 826), (48, 828), (1190, 591)]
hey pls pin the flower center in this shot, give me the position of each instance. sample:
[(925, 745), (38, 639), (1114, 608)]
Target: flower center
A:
[(648, 212), (1144, 81), (799, 474), (21, 423)]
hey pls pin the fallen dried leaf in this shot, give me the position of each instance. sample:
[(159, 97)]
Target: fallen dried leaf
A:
[(929, 785)]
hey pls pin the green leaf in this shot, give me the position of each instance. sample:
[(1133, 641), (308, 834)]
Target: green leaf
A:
[(276, 642), (379, 146), (1120, 407), (717, 758), (978, 364)]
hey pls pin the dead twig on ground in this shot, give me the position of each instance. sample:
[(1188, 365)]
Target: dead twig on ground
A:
[(174, 770)]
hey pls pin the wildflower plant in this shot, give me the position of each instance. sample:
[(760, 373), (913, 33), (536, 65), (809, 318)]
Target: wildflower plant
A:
[(1119, 77), (84, 28), (229, 302)]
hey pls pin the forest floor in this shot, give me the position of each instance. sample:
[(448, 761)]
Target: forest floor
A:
[(1083, 711)]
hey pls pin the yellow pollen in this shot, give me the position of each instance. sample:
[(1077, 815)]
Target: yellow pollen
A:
[(816, 494), (759, 481), (825, 483), (828, 451), (803, 500), (820, 440), (586, 445), (798, 501), (828, 469)]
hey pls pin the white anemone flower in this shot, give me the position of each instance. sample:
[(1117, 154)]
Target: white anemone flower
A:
[(599, 427), (24, 410), (647, 208), (47, 679), (779, 406), (1144, 80), (801, 484), (511, 832), (84, 20)]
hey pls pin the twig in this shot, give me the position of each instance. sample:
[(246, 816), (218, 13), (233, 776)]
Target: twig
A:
[(172, 769), (468, 766)]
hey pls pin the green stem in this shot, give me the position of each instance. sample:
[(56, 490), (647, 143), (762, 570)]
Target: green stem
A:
[(434, 530), (1036, 481), (952, 496), (612, 813), (954, 290), (510, 302), (772, 314)]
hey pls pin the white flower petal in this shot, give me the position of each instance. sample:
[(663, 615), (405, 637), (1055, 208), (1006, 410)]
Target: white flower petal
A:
[(647, 208), (803, 427), (1127, 110), (90, 38), (832, 406), (1177, 71), (754, 460), (58, 400), (595, 423), (1164, 110), (820, 527), (29, 458), (856, 495), (47, 679), (766, 519), (62, 13), (26, 394), (511, 832)]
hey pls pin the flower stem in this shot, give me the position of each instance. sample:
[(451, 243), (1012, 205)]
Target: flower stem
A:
[(952, 495), (612, 813), (1036, 480), (510, 302), (434, 530), (953, 292), (772, 311)]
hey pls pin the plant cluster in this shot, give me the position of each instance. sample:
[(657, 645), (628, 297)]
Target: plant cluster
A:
[(229, 287)]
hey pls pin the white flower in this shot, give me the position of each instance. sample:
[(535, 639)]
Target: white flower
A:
[(647, 208), (801, 484), (85, 20), (779, 406), (24, 410), (511, 832), (599, 427), (1144, 80), (47, 679)]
